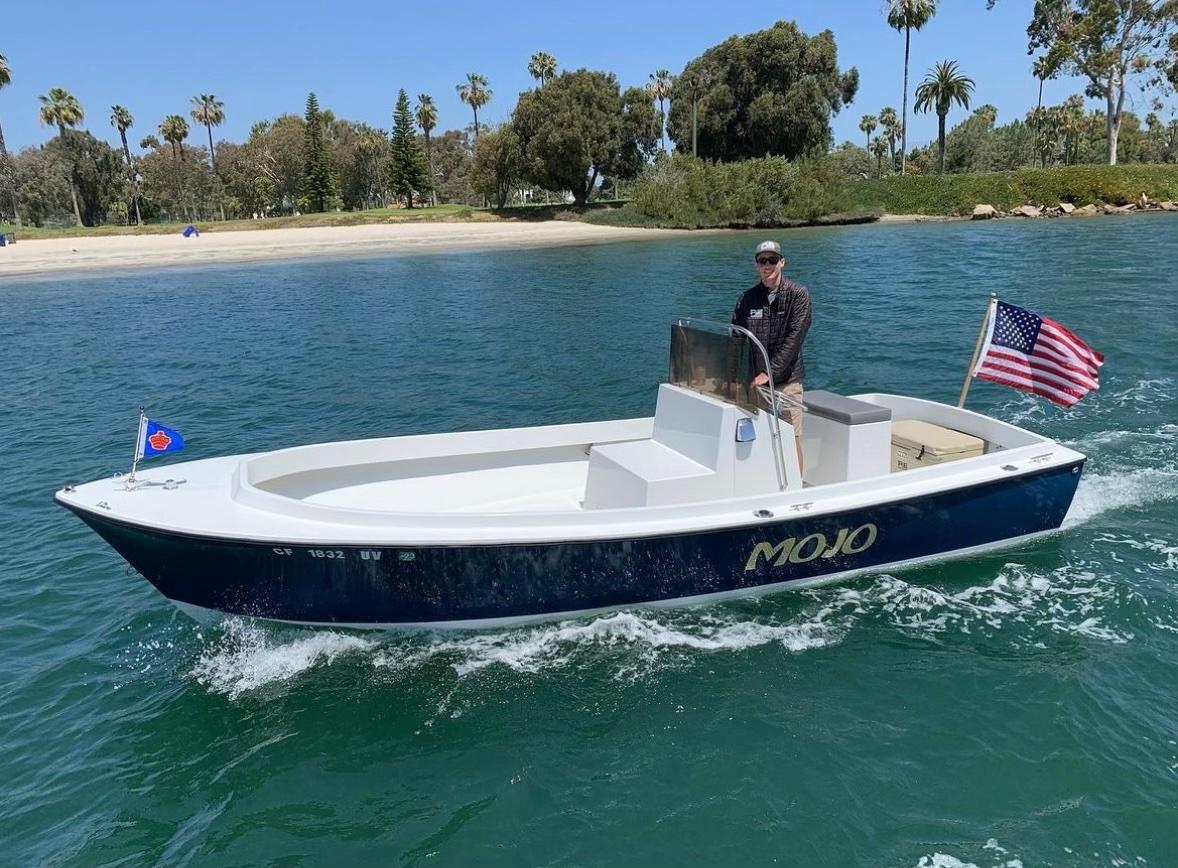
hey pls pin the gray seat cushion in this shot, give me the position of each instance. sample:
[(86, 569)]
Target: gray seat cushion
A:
[(840, 408)]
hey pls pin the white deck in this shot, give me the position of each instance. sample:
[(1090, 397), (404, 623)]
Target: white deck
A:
[(529, 484), (552, 487)]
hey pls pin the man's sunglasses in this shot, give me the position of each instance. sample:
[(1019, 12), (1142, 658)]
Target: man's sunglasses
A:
[(768, 260)]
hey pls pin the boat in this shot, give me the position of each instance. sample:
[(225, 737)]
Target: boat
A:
[(705, 500)]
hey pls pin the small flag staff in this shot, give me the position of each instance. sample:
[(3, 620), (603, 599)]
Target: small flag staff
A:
[(131, 480), (977, 347)]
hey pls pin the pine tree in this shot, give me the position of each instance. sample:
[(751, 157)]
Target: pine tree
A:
[(319, 184), (409, 174)]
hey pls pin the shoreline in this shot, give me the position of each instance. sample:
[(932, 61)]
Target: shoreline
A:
[(39, 257), (104, 254)]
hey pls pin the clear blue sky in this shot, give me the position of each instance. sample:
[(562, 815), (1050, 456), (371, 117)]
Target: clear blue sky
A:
[(261, 57)]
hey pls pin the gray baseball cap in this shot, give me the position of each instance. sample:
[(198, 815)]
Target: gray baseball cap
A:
[(768, 247)]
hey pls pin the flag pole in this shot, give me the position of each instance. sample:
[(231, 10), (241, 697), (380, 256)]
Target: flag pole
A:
[(138, 442), (977, 348)]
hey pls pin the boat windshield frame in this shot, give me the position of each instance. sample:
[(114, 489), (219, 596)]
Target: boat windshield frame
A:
[(769, 395)]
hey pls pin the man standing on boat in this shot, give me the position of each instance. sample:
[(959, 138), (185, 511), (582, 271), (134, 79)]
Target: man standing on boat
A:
[(777, 312)]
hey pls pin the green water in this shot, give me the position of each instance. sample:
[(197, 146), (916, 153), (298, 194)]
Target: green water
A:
[(1014, 709)]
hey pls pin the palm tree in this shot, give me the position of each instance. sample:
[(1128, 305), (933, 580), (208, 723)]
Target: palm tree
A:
[(476, 94), (5, 80), (427, 119), (174, 129), (61, 108), (210, 111), (660, 89), (1043, 68), (867, 125), (880, 149), (908, 15), (942, 86), (890, 121), (121, 119), (696, 83), (542, 67)]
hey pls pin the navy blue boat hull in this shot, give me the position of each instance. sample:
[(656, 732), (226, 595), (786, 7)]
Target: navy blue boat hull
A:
[(406, 584)]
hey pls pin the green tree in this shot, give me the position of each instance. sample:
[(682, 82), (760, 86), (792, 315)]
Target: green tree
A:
[(542, 67), (966, 143), (61, 108), (906, 16), (319, 183), (6, 166), (580, 126), (1043, 68), (174, 130), (1048, 133), (879, 148), (1072, 123), (44, 181), (943, 86), (770, 92), (427, 119), (122, 120), (1011, 146), (867, 125), (890, 121), (453, 156), (660, 89), (1109, 42), (176, 189), (497, 164), (852, 160), (276, 149), (98, 176), (210, 111), (408, 171), (695, 84), (476, 93)]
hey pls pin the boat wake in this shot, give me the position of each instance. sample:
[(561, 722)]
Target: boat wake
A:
[(1136, 469), (1143, 396), (1020, 607), (242, 656)]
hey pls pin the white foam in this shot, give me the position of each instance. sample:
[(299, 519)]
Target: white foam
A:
[(1145, 393), (943, 860), (1018, 603), (1098, 494), (246, 656), (534, 648)]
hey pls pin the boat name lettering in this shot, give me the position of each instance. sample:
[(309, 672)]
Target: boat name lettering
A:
[(367, 555), (330, 554), (282, 551), (801, 551)]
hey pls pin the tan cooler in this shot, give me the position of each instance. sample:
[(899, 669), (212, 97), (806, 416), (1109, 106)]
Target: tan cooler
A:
[(923, 444)]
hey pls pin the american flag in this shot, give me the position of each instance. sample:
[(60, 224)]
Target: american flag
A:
[(1038, 355)]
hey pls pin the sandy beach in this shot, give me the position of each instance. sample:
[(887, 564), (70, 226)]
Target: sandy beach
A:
[(117, 252)]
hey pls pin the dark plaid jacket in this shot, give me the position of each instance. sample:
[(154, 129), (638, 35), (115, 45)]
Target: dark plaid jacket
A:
[(780, 326)]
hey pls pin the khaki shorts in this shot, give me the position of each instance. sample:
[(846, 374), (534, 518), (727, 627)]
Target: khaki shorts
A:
[(793, 414)]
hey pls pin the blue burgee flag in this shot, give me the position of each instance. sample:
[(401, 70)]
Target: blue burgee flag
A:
[(156, 439)]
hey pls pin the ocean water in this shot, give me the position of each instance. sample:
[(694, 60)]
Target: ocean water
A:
[(1016, 709)]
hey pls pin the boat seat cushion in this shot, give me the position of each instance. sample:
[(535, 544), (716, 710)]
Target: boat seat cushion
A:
[(839, 408)]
